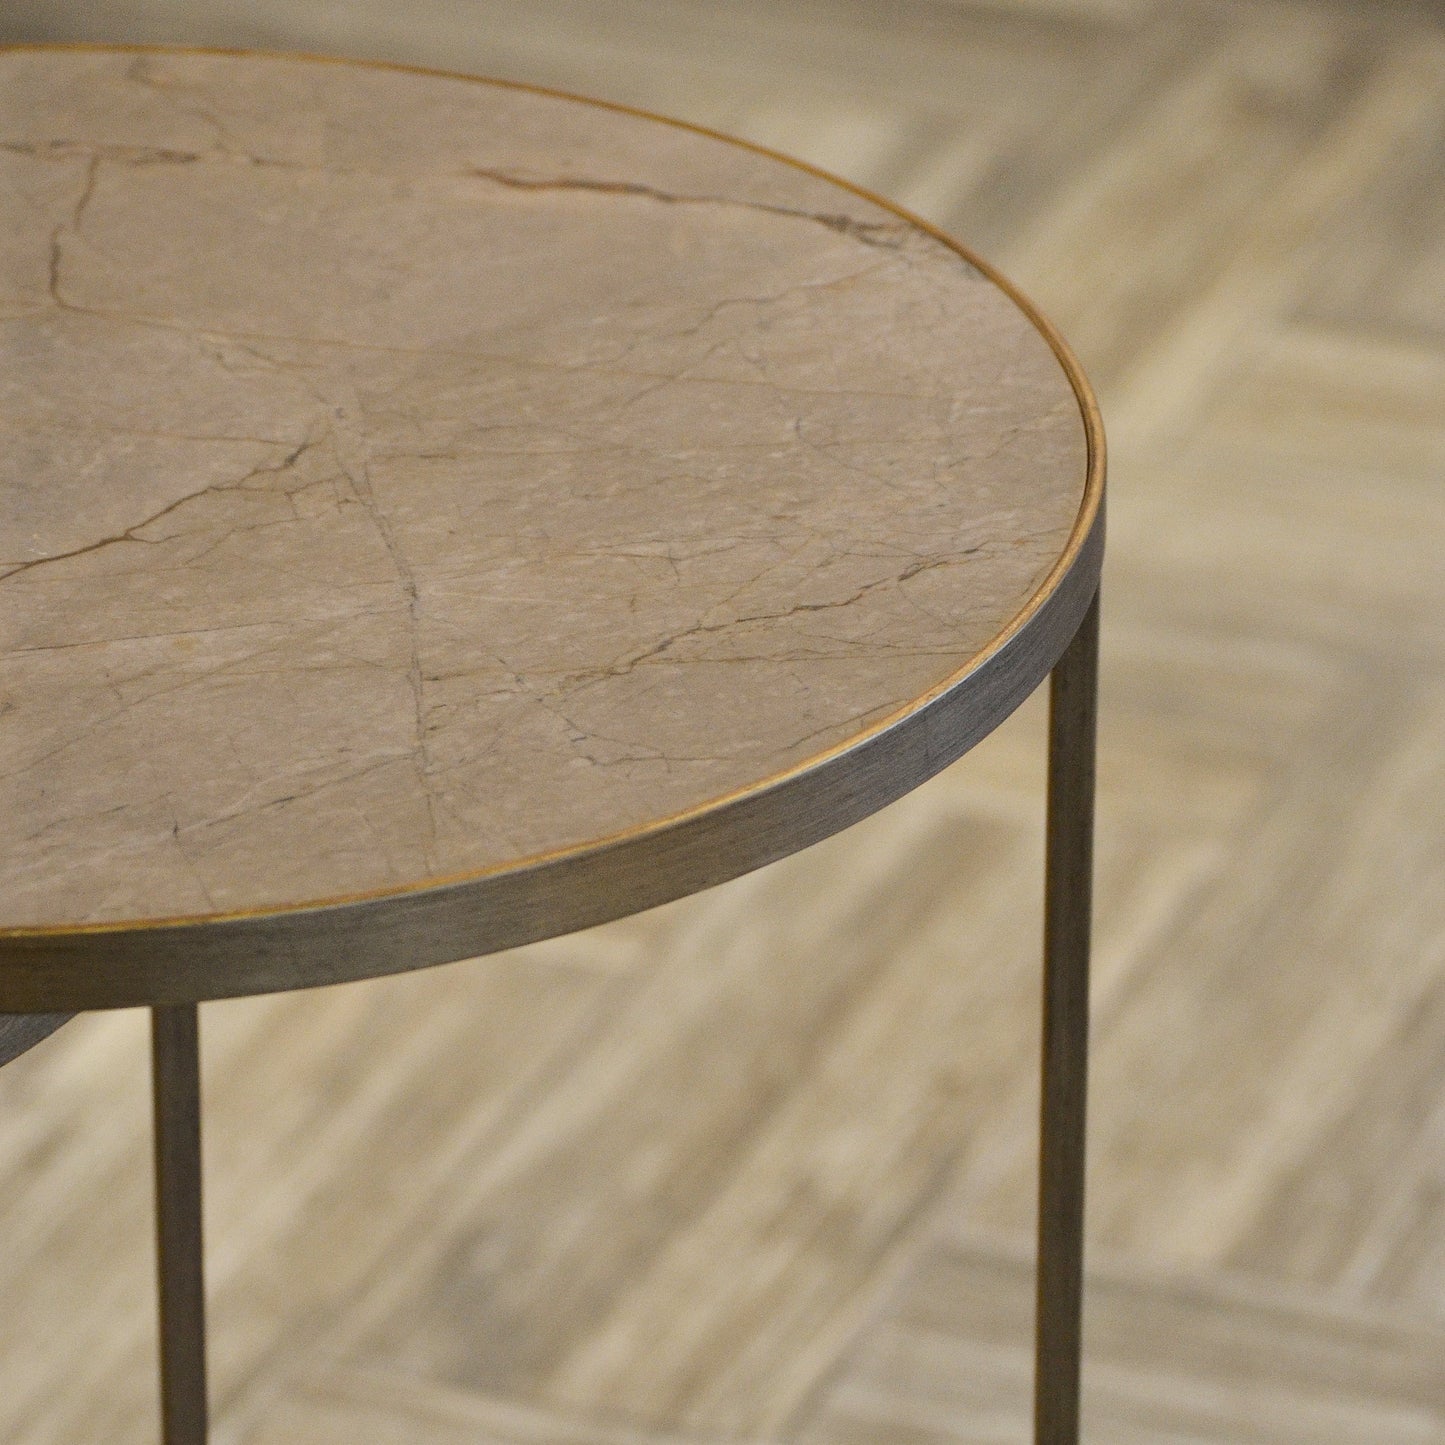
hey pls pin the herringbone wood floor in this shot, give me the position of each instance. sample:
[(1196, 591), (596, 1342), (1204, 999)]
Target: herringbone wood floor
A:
[(758, 1166)]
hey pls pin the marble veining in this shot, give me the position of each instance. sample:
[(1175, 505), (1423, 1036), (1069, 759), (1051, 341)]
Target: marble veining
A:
[(403, 475)]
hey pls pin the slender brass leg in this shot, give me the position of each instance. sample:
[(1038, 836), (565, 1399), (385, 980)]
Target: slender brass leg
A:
[(1068, 889), (176, 1086)]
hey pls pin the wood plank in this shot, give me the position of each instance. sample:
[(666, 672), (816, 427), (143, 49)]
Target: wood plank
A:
[(1168, 391), (1247, 1030), (1384, 261), (1357, 1210), (1329, 572), (1357, 403), (1138, 230), (342, 1407), (1168, 1359)]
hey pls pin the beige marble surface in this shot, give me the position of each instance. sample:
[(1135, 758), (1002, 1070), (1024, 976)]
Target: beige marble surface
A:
[(403, 475)]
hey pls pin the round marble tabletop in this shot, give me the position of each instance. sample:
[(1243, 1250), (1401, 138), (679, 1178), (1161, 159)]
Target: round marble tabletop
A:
[(436, 514)]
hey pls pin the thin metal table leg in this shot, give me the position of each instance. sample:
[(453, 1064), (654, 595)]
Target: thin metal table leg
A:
[(1068, 893), (176, 1088)]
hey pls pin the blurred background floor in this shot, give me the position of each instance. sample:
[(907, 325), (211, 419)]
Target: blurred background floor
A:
[(758, 1166)]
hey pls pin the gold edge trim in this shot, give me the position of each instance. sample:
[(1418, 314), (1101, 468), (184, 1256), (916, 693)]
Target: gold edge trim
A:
[(1084, 524)]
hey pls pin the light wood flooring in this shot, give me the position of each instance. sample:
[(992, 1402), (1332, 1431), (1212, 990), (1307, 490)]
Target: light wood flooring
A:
[(758, 1166)]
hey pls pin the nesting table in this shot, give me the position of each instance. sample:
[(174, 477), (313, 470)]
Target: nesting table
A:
[(438, 514)]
